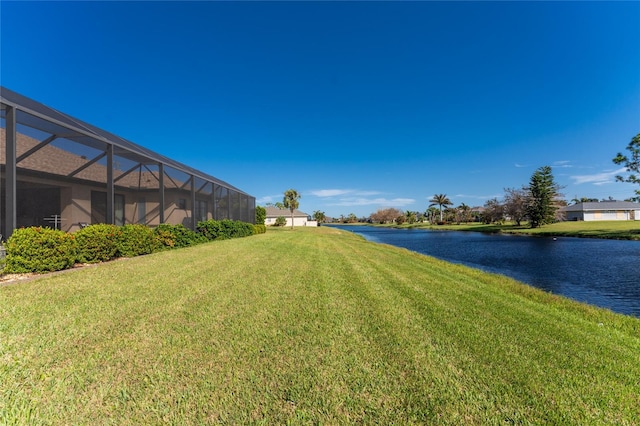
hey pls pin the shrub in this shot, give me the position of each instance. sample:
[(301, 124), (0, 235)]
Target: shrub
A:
[(135, 240), (259, 229), (210, 229), (280, 221), (261, 215), (38, 249), (175, 236), (98, 243), (225, 229), (236, 228)]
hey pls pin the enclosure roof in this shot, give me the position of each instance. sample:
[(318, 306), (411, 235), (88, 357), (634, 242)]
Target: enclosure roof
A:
[(88, 134)]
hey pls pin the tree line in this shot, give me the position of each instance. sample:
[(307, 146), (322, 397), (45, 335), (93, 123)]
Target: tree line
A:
[(537, 203)]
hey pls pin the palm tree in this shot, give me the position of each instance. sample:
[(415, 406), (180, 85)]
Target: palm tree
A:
[(465, 211), (440, 200), (412, 217), (431, 214), (290, 201), (319, 216)]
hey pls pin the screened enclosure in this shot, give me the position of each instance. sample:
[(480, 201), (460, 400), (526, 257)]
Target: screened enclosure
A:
[(60, 172)]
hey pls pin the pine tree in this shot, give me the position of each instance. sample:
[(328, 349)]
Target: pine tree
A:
[(543, 192), (631, 162)]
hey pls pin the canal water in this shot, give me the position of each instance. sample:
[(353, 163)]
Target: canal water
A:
[(600, 272)]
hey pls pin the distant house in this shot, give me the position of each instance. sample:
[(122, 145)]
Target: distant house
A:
[(299, 218), (603, 210), (477, 212)]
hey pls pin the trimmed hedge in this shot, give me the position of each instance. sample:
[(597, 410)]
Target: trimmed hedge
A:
[(168, 236), (225, 229), (136, 240), (38, 249), (210, 229), (98, 243)]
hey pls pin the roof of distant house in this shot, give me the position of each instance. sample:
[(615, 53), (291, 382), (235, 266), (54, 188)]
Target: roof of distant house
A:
[(601, 205), (273, 211)]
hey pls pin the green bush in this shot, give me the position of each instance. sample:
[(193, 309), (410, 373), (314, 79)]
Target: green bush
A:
[(38, 249), (259, 229), (224, 229), (98, 243), (261, 215), (175, 236), (135, 240), (280, 221), (210, 229), (236, 228)]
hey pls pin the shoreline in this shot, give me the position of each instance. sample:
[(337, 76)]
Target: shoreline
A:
[(610, 230)]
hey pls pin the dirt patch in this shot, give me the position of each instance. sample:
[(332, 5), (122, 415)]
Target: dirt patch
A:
[(14, 278), (7, 278)]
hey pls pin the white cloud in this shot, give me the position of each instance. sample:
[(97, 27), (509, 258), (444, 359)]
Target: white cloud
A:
[(330, 192), (361, 201), (598, 178), (366, 193), (519, 166), (478, 197), (356, 197), (269, 199), (562, 164), (338, 192)]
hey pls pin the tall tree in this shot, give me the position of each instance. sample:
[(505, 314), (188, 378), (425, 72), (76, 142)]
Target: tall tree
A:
[(411, 217), (431, 214), (584, 200), (385, 215), (515, 204), (631, 162), (440, 200), (543, 192), (351, 218), (319, 216), (261, 215), (463, 213), (493, 211), (290, 201)]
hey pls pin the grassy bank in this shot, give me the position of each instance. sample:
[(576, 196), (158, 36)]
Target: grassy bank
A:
[(307, 326), (620, 230)]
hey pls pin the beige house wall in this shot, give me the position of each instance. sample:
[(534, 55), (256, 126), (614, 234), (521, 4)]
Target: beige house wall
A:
[(76, 207)]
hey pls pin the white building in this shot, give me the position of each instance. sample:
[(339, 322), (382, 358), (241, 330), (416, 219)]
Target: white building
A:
[(603, 210), (299, 218)]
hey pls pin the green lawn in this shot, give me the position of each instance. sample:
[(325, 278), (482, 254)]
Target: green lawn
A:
[(307, 326), (621, 230)]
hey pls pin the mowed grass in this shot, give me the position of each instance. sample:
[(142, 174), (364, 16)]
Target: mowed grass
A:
[(307, 326), (611, 229)]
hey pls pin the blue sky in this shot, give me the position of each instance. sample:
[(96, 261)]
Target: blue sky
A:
[(357, 105)]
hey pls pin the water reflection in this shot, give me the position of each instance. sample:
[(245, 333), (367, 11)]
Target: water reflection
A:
[(605, 273)]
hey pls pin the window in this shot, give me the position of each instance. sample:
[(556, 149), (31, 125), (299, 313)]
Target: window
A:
[(99, 208), (201, 210), (142, 210)]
